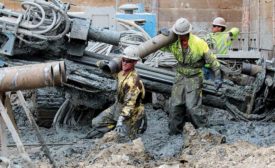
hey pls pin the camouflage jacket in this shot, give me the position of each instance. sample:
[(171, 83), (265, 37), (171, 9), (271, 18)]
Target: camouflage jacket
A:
[(130, 93)]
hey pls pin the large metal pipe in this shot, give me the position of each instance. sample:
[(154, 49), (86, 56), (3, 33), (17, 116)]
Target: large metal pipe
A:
[(251, 69), (31, 76), (104, 35), (155, 44)]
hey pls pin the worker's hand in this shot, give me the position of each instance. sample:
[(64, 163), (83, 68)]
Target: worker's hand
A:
[(218, 84), (101, 63), (121, 128), (165, 31)]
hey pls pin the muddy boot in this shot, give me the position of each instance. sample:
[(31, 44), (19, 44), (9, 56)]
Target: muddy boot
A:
[(176, 120), (97, 132), (142, 125), (199, 120), (94, 134)]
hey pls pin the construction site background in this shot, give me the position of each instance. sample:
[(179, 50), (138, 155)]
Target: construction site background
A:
[(255, 18)]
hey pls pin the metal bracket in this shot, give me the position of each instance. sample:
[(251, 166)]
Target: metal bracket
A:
[(7, 48), (80, 29), (9, 21)]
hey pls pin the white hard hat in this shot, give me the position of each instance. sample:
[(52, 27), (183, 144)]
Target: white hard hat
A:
[(131, 52), (182, 27), (219, 21)]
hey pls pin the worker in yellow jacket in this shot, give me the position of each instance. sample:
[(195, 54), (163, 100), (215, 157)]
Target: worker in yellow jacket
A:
[(192, 53), (219, 41)]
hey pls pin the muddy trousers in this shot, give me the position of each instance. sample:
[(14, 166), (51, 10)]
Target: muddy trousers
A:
[(106, 121), (186, 104)]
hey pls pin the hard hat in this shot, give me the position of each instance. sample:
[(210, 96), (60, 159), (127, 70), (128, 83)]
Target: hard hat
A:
[(182, 27), (219, 21), (131, 52)]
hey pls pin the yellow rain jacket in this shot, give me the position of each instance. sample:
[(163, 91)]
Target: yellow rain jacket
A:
[(191, 60)]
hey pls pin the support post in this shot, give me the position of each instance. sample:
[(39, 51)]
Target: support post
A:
[(15, 136), (36, 128)]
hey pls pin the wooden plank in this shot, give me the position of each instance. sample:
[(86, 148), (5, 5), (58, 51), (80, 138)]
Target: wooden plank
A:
[(7, 104), (201, 4), (203, 25), (15, 136), (202, 15), (34, 125), (3, 134), (3, 140)]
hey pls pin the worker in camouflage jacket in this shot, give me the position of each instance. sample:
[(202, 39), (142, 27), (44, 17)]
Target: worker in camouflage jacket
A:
[(191, 53), (126, 116)]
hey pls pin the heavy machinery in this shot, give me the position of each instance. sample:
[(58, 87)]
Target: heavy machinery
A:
[(42, 32), (45, 31), (46, 26)]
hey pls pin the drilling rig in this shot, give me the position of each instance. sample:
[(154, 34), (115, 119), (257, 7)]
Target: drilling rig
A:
[(45, 31)]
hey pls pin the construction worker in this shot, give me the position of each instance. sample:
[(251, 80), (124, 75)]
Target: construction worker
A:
[(192, 53), (126, 116), (219, 41)]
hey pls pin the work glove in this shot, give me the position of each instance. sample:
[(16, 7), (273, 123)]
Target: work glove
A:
[(218, 84), (218, 79), (121, 128), (165, 31)]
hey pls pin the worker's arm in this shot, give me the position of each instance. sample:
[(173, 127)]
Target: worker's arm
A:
[(210, 58), (214, 64)]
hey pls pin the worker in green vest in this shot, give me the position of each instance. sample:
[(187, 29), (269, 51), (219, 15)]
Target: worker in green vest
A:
[(219, 40), (191, 53)]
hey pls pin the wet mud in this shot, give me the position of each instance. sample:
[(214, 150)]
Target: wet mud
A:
[(225, 142)]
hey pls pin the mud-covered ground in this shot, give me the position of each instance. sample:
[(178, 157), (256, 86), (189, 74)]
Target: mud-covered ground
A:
[(226, 143)]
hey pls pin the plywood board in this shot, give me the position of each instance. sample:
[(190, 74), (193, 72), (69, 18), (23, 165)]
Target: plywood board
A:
[(172, 14), (201, 4)]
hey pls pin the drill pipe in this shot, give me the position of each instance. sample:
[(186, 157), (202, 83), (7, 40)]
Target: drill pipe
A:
[(103, 35), (32, 76), (155, 44)]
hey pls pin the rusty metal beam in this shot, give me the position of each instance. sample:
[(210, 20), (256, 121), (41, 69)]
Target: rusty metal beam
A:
[(32, 76)]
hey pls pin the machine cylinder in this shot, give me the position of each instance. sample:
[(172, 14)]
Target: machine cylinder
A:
[(251, 69)]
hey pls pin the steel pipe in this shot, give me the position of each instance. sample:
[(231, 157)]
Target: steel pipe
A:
[(251, 69), (31, 76), (104, 35), (155, 44)]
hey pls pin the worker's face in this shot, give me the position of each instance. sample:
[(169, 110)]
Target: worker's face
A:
[(184, 41), (128, 64), (216, 29)]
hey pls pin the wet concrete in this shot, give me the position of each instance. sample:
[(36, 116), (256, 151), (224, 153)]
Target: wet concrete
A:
[(159, 147)]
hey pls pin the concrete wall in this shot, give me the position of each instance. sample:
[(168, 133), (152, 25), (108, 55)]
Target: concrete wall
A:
[(258, 22), (199, 12)]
